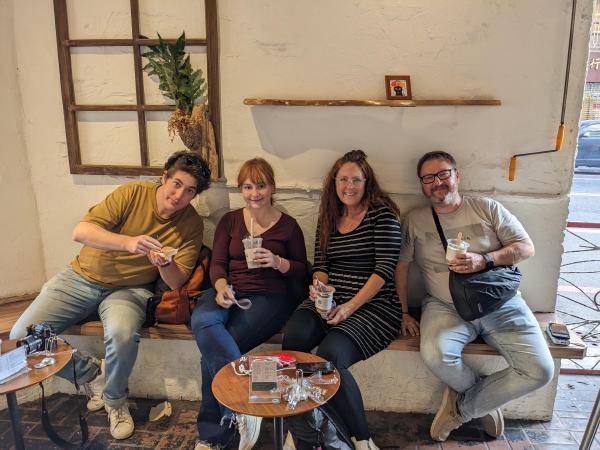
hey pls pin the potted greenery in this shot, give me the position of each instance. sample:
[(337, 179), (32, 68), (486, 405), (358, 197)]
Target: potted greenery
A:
[(179, 82)]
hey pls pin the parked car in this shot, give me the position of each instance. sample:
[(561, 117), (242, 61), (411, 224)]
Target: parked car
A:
[(588, 144)]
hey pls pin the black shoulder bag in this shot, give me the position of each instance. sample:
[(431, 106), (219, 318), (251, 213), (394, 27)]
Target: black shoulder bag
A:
[(477, 294)]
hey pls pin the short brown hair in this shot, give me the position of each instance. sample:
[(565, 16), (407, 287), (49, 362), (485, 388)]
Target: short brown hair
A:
[(256, 170), (438, 154)]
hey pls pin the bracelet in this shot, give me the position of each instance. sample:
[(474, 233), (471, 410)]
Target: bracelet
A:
[(278, 265)]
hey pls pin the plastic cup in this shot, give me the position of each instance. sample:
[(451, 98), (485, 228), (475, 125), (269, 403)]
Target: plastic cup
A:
[(324, 301), (250, 246), (455, 247)]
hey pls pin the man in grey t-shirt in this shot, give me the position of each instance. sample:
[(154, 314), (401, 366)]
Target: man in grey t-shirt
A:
[(496, 237)]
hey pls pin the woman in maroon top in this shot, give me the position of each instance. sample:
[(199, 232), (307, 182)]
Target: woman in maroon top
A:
[(223, 330)]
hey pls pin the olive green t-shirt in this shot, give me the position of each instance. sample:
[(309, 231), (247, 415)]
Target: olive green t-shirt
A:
[(131, 210)]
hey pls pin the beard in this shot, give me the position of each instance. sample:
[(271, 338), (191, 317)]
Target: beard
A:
[(444, 199)]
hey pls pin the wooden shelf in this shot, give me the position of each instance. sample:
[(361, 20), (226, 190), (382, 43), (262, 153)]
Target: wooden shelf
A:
[(389, 103)]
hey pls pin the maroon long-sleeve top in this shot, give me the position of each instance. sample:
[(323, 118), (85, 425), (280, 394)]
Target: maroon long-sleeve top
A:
[(285, 239)]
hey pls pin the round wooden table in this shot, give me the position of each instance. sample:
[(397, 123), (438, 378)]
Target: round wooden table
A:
[(231, 391), (25, 380)]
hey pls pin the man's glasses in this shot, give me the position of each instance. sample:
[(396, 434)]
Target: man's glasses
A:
[(352, 181), (441, 175)]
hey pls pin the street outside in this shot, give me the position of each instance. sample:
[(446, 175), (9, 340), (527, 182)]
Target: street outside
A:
[(579, 286)]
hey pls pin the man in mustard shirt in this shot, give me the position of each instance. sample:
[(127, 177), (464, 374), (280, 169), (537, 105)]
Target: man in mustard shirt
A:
[(114, 273)]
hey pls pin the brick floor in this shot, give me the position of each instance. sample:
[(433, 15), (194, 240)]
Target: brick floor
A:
[(574, 401)]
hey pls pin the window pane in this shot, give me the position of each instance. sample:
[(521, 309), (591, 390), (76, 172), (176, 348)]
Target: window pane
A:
[(103, 75), (170, 18), (93, 19), (109, 137)]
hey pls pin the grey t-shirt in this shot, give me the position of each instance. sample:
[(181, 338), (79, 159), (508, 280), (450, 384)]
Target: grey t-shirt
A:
[(483, 222)]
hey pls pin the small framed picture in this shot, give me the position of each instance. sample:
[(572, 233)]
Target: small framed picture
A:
[(397, 87)]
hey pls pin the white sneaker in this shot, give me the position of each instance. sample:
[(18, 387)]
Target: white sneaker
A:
[(364, 445), (94, 389), (249, 428), (121, 422)]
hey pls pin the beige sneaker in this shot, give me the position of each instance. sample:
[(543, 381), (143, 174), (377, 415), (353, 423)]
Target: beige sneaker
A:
[(447, 418), (94, 389), (201, 445), (364, 445), (289, 442), (249, 428), (493, 423), (121, 422)]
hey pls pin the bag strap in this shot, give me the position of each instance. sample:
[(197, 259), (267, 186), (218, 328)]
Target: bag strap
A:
[(51, 432), (440, 231)]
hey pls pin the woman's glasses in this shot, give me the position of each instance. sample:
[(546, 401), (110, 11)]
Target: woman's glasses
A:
[(350, 181), (441, 175)]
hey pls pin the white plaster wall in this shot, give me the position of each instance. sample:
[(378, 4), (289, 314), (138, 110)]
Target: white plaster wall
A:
[(22, 267), (511, 50)]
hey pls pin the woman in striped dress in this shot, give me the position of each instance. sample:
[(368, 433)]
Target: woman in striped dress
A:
[(356, 251)]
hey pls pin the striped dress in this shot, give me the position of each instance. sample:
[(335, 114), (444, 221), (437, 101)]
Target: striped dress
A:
[(373, 247)]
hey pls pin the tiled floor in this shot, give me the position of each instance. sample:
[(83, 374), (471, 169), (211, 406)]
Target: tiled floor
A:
[(574, 402)]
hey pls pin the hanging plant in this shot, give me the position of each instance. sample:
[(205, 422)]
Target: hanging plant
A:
[(177, 79), (179, 82)]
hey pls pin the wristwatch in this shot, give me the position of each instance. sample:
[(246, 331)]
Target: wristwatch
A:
[(489, 261)]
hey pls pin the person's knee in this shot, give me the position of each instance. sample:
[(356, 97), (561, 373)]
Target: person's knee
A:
[(18, 331), (296, 337), (538, 373), (292, 340), (330, 354), (436, 355), (121, 336), (204, 318)]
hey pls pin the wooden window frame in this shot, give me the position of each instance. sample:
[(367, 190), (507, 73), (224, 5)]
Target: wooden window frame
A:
[(70, 108)]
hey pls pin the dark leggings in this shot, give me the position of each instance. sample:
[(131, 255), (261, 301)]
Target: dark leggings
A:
[(303, 332)]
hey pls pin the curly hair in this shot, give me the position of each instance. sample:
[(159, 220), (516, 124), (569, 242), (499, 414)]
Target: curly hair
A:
[(191, 163), (332, 208)]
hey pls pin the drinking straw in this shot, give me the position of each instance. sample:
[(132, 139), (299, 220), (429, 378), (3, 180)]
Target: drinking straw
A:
[(252, 230)]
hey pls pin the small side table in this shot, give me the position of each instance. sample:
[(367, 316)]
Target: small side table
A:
[(231, 390), (34, 376)]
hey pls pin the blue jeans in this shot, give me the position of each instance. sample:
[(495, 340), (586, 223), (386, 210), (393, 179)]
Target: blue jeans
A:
[(223, 335), (67, 299), (512, 330)]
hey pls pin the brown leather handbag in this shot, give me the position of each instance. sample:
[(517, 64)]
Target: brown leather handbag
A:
[(176, 306)]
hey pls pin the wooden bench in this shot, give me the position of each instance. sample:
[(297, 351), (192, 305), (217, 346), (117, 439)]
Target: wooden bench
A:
[(9, 313)]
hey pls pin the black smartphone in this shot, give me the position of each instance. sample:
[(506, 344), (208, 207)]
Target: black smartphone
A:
[(323, 367), (558, 333), (559, 330)]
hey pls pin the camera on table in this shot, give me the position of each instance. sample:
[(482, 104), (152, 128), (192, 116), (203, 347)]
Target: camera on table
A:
[(40, 336)]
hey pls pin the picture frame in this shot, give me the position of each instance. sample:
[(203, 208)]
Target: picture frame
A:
[(397, 87)]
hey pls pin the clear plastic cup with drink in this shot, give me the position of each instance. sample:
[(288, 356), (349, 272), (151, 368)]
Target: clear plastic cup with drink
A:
[(251, 243), (455, 247), (324, 298)]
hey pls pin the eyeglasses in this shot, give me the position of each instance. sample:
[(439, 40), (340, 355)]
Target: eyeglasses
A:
[(441, 175), (351, 181)]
